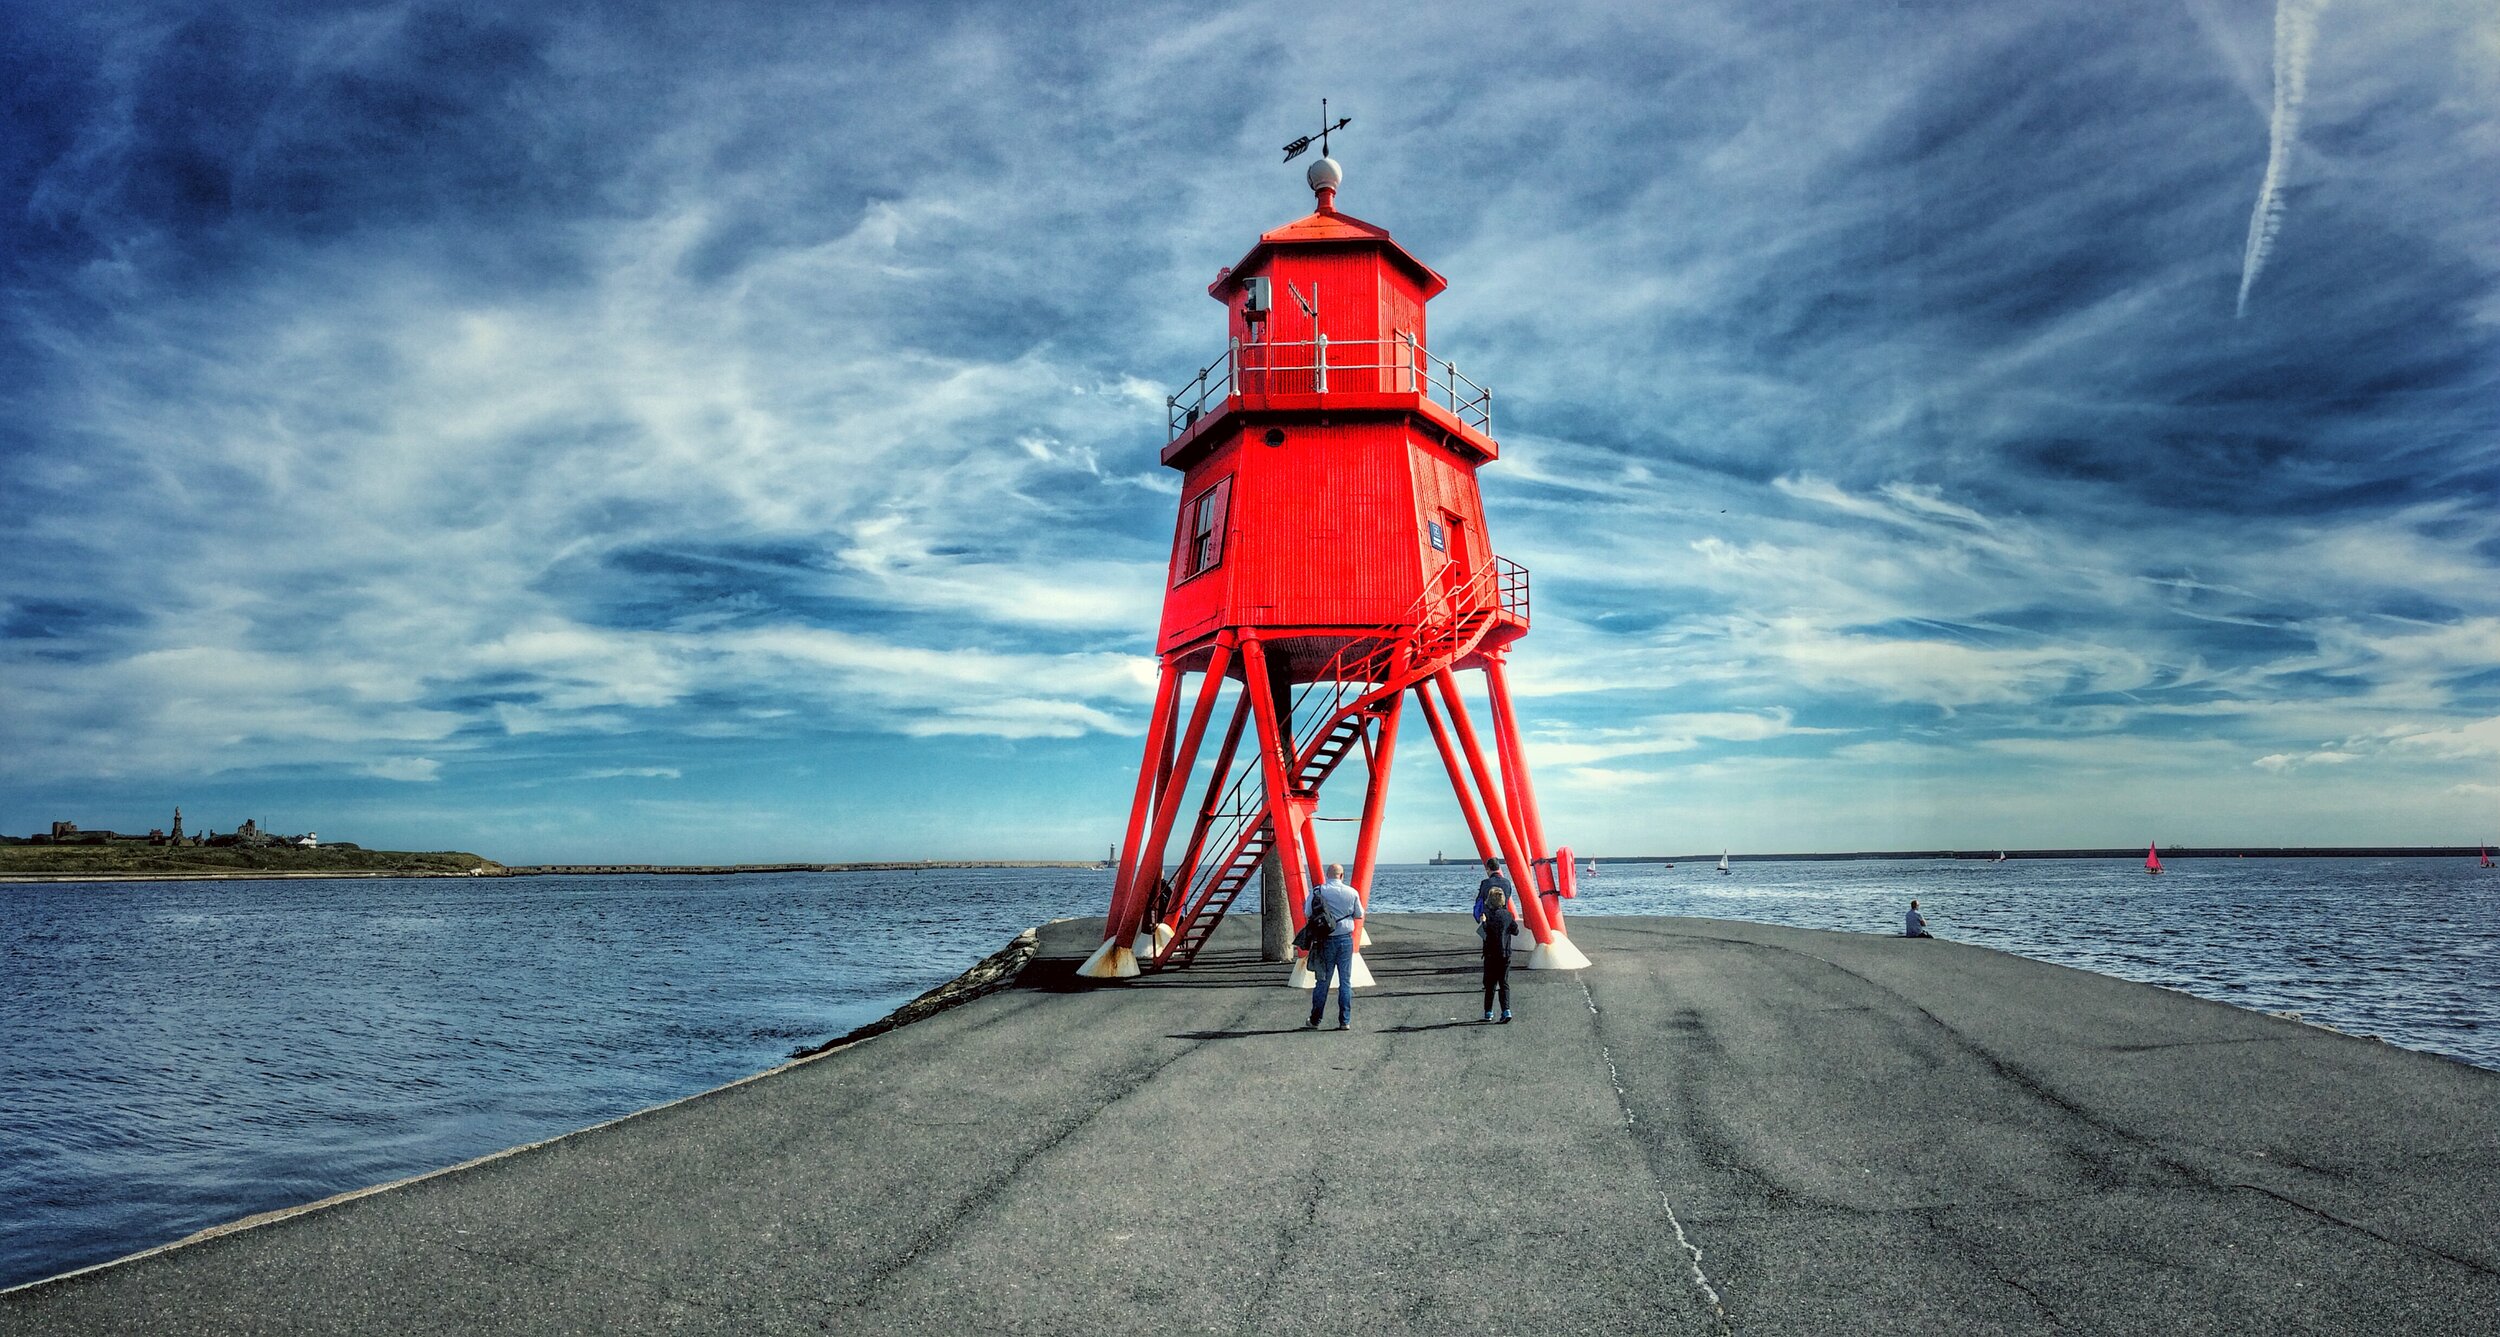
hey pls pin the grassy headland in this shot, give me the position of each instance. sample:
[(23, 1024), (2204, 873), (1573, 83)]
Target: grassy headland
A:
[(135, 860)]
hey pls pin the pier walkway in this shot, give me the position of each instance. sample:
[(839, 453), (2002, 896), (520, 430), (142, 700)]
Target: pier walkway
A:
[(1716, 1128)]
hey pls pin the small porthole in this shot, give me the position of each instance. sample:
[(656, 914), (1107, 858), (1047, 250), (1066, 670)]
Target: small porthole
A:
[(1275, 436)]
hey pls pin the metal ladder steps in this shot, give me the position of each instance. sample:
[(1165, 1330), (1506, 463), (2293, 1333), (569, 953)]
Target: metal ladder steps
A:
[(1219, 897), (1228, 883), (1331, 750)]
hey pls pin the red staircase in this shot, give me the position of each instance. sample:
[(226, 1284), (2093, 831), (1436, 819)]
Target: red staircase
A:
[(1362, 678)]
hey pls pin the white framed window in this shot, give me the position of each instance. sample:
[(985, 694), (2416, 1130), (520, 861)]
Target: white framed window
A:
[(1202, 530)]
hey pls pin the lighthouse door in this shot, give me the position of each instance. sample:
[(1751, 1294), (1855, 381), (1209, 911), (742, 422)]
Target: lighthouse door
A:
[(1458, 568)]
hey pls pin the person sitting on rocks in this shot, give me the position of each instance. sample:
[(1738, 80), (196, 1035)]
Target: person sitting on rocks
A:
[(1914, 924)]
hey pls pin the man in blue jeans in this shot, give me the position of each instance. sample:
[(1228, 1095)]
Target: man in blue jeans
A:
[(1336, 955)]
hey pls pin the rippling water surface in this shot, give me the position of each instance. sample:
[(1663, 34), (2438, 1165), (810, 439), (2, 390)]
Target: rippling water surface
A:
[(173, 1055)]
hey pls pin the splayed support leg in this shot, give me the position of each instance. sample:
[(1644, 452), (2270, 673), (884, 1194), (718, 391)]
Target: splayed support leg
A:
[(1561, 954), (1279, 913), (1183, 760), (1311, 865), (1458, 773), (1513, 849), (1377, 756), (1275, 746), (1114, 959)]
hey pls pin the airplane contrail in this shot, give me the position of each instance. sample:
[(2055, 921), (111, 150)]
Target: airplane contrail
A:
[(2295, 35)]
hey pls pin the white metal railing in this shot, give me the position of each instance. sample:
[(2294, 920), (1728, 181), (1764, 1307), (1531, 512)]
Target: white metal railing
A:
[(1321, 365)]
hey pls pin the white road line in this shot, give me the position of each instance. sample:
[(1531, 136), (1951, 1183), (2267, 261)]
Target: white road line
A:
[(1623, 1098)]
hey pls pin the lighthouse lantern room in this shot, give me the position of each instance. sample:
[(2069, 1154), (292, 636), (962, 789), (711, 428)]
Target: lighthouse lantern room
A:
[(1330, 561)]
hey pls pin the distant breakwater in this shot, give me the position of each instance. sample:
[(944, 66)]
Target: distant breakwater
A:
[(658, 869)]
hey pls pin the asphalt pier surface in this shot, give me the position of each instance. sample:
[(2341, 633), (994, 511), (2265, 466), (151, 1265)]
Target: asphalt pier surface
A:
[(1715, 1128)]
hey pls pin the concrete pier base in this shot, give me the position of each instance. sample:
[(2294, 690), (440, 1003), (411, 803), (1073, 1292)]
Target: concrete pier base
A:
[(1736, 1129)]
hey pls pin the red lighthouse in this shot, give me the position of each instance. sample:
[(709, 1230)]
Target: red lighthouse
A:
[(1331, 559)]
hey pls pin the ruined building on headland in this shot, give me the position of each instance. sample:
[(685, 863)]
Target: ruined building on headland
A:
[(247, 836)]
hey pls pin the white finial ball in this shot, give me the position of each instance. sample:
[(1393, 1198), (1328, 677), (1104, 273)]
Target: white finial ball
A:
[(1325, 174)]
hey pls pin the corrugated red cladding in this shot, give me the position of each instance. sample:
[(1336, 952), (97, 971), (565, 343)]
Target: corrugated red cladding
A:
[(1334, 526), (1366, 303)]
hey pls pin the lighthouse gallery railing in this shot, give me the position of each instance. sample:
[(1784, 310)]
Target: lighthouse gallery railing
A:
[(1397, 365)]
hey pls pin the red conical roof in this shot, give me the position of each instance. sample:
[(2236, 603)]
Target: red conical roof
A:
[(1328, 227)]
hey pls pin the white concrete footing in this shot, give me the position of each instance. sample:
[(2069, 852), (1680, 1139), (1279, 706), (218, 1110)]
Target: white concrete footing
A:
[(1111, 961), (1557, 955), (1305, 979), (1163, 936)]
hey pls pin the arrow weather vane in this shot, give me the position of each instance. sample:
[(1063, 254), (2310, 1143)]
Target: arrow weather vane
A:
[(1294, 149)]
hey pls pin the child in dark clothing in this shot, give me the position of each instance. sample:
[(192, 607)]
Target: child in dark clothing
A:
[(1498, 927)]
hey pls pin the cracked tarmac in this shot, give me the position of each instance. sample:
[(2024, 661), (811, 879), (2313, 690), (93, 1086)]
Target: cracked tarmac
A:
[(1717, 1127)]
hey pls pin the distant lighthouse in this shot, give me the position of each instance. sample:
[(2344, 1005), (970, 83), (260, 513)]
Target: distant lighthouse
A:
[(1330, 559)]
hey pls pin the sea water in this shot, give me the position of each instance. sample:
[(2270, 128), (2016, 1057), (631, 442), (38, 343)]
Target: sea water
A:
[(174, 1055)]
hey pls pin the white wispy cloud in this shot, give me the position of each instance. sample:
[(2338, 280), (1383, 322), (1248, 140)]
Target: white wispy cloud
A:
[(2295, 37), (1866, 409), (2284, 761), (413, 769)]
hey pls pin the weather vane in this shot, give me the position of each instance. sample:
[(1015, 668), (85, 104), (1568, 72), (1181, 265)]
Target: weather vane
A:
[(1294, 149)]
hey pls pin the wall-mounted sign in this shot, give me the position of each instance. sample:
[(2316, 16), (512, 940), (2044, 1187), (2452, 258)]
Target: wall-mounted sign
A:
[(1439, 543)]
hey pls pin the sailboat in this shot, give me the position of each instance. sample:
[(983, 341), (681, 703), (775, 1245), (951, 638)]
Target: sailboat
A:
[(2000, 857), (2486, 856), (1723, 861), (2152, 859)]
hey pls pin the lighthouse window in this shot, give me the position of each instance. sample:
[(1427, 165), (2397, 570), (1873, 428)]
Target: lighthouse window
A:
[(1203, 532)]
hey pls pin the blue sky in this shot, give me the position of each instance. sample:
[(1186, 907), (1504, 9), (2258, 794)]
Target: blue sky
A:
[(728, 432)]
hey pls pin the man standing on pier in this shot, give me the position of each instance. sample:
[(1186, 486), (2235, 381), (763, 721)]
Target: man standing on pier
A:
[(1335, 954)]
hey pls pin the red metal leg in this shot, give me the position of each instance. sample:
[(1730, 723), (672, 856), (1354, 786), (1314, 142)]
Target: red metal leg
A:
[(1114, 960), (1275, 746), (1515, 771), (1497, 683), (1176, 778), (1310, 846), (1503, 829), (1172, 711), (1141, 807), (1375, 798), (1197, 848), (1502, 763), (1458, 773)]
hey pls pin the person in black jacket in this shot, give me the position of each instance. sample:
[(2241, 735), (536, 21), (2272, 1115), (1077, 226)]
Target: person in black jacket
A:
[(1498, 928), (1492, 879)]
